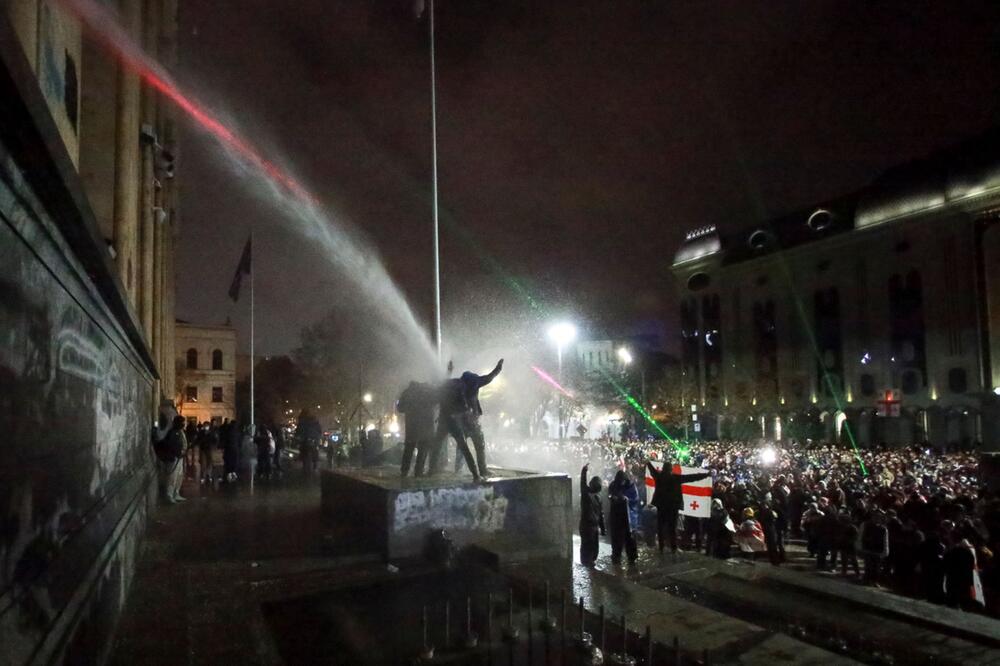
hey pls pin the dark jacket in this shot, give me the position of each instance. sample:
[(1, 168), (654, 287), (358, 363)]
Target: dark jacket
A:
[(471, 383), (623, 500), (417, 402), (591, 511), (667, 496), (452, 398), (308, 430)]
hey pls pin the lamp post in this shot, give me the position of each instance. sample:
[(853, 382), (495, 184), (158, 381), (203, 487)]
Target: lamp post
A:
[(626, 358), (562, 334)]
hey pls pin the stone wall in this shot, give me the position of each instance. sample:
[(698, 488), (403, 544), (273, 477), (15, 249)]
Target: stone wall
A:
[(75, 465)]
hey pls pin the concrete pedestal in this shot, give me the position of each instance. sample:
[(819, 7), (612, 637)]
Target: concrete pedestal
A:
[(516, 515)]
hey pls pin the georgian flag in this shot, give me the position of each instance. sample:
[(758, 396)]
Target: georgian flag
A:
[(697, 495)]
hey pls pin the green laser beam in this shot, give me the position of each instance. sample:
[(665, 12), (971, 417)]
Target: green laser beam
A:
[(754, 194), (827, 378), (634, 404)]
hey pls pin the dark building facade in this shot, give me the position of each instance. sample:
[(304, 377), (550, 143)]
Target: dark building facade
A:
[(873, 317), (86, 323)]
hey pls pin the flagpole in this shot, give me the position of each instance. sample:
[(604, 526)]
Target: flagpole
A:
[(434, 169), (252, 262)]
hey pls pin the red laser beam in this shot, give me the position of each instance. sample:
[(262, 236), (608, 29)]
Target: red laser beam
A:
[(103, 25), (548, 380)]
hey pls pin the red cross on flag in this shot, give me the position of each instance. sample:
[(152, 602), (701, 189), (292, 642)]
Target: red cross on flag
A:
[(697, 495)]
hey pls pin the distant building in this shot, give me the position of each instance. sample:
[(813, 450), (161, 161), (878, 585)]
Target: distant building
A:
[(879, 310), (599, 355), (206, 372)]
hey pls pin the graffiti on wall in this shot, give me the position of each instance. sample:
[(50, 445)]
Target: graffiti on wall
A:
[(74, 413)]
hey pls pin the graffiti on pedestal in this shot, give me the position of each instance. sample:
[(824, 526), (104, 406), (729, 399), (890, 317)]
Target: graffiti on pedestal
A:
[(477, 509)]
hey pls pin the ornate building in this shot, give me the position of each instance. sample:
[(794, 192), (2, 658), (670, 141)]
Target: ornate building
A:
[(206, 372), (873, 317), (87, 220)]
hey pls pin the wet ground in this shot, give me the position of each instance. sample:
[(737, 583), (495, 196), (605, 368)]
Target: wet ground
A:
[(825, 610), (234, 577)]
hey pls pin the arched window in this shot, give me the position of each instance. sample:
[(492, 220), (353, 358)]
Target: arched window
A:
[(192, 359), (217, 359)]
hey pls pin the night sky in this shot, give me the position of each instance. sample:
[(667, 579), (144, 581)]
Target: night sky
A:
[(578, 141)]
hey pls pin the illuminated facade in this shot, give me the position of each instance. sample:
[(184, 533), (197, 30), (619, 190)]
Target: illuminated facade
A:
[(879, 310), (206, 372)]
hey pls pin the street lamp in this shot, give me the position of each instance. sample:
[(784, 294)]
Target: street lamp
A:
[(625, 355), (563, 334), (367, 397)]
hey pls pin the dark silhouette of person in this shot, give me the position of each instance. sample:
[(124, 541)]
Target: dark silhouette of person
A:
[(591, 517), (471, 383), (417, 403), (452, 408), (623, 516), (668, 500), (308, 432)]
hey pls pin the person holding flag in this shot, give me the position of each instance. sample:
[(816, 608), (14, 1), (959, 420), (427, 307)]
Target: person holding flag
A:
[(668, 500)]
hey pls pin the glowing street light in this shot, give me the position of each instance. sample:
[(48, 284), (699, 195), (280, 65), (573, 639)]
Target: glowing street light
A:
[(367, 397), (563, 334), (625, 355)]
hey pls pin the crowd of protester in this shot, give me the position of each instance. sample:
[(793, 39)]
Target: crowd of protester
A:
[(910, 519), (216, 453)]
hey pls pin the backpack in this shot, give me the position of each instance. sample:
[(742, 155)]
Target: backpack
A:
[(170, 448)]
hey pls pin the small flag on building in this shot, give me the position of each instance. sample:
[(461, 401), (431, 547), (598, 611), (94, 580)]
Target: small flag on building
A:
[(242, 269), (697, 494)]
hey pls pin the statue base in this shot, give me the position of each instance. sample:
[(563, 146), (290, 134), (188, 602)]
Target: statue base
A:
[(514, 515)]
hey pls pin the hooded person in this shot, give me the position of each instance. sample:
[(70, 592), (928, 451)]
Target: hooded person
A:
[(719, 538), (668, 500), (452, 408), (471, 383), (591, 517), (623, 516)]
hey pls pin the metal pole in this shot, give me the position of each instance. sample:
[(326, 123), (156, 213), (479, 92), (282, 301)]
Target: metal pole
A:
[(603, 648), (559, 352), (562, 630), (434, 169), (252, 265)]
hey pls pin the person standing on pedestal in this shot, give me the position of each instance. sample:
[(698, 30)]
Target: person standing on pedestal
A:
[(471, 383), (417, 405), (453, 406)]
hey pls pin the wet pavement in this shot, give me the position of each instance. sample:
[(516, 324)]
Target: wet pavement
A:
[(824, 610), (233, 577)]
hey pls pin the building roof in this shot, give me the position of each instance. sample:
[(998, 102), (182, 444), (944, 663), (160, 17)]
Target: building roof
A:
[(965, 176)]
